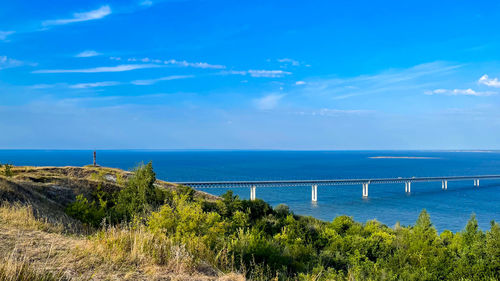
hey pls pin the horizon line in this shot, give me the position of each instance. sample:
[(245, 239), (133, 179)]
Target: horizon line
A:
[(247, 149)]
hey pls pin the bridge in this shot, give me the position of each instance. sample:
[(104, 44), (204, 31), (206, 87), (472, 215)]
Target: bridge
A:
[(315, 183)]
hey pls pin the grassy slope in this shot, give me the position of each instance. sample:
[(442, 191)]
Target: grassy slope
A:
[(35, 231)]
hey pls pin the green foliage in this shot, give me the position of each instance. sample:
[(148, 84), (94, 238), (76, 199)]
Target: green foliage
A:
[(7, 170), (186, 222), (265, 243), (140, 196), (136, 200), (186, 190), (87, 212), (120, 179), (90, 212), (282, 210)]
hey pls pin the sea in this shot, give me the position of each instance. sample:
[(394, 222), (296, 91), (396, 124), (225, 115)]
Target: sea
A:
[(388, 203)]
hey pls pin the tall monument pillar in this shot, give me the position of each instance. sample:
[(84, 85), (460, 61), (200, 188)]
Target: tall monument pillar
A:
[(95, 164)]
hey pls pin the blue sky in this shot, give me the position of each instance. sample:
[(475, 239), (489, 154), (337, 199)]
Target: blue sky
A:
[(333, 75)]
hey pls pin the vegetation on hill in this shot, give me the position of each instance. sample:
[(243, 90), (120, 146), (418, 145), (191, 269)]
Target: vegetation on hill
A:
[(147, 227)]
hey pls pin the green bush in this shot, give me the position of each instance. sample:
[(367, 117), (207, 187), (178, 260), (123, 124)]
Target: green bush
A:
[(7, 170), (137, 199), (282, 210), (88, 212)]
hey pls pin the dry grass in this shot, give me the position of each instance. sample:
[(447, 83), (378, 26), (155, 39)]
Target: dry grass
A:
[(23, 217), (128, 253), (155, 255), (20, 270)]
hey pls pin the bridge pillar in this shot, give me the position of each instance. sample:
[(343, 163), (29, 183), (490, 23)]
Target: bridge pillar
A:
[(476, 182), (252, 192), (365, 189), (314, 192), (444, 185), (408, 186)]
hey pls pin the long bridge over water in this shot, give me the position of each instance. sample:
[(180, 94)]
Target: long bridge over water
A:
[(315, 183)]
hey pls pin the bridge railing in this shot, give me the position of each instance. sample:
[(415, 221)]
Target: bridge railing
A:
[(315, 183)]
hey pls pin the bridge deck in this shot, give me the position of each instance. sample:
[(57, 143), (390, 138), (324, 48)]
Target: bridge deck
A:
[(278, 183)]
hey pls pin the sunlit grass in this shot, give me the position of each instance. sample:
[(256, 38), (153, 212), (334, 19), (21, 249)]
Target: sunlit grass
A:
[(23, 216), (14, 270)]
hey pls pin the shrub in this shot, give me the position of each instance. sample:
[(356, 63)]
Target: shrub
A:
[(137, 199), (282, 210), (8, 170), (88, 212)]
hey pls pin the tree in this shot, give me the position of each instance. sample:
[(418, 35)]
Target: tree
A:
[(424, 220), (472, 231), (472, 261), (139, 195), (493, 249)]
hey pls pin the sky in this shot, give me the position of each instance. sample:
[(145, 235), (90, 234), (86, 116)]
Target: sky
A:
[(294, 75)]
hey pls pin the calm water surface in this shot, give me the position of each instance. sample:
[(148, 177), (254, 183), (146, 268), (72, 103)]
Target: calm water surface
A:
[(387, 203)]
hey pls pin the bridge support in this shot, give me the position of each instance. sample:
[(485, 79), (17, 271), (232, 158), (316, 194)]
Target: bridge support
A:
[(476, 182), (252, 192), (408, 186), (314, 193), (444, 185), (365, 189)]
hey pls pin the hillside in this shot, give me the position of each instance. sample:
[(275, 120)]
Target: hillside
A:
[(39, 240)]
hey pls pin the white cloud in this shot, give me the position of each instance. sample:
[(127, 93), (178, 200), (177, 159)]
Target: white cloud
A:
[(79, 17), (490, 82), (153, 81), (233, 72), (258, 73), (94, 85), (268, 102), (289, 61), (4, 34), (118, 68), (108, 83), (194, 64), (182, 63), (300, 83), (459, 92), (87, 54), (115, 58), (268, 73), (6, 62)]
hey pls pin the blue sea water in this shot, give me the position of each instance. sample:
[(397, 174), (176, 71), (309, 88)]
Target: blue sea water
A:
[(387, 203)]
